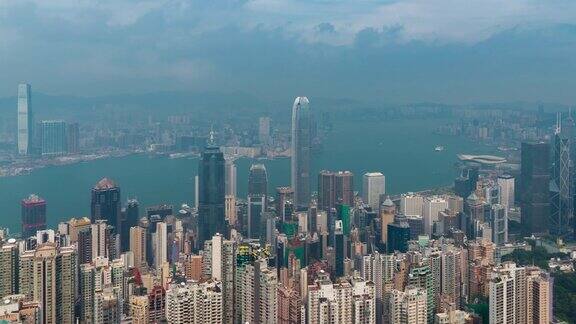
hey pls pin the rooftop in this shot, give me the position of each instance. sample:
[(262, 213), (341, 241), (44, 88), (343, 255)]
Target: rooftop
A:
[(104, 184)]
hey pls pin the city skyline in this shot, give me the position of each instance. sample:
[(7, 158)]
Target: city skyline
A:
[(287, 162)]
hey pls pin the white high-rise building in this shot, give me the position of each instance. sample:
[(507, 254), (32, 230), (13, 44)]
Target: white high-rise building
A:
[(160, 245), (378, 268), (258, 293), (507, 294), (373, 187), (411, 204), (328, 302), (195, 303), (25, 119), (506, 183), (409, 306), (432, 206), (218, 264), (363, 301), (99, 239)]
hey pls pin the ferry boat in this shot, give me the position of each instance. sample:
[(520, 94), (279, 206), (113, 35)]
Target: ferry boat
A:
[(439, 148)]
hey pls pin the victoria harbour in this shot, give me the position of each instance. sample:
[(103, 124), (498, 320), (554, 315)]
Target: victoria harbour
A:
[(403, 150)]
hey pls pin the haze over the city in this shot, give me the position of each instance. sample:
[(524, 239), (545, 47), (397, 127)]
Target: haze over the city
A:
[(392, 51), (288, 161)]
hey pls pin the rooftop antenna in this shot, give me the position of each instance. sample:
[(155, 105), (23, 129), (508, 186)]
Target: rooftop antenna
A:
[(211, 134), (558, 123)]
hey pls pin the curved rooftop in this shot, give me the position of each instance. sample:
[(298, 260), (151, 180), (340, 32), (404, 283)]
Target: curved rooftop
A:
[(301, 101), (483, 159), (104, 184)]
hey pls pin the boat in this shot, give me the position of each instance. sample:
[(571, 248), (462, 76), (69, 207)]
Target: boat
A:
[(439, 148)]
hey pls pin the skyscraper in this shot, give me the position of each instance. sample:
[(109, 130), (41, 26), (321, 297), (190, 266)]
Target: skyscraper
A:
[(264, 130), (340, 248), (562, 186), (284, 195), (256, 207), (138, 245), (9, 268), (33, 215), (259, 293), (48, 276), (411, 204), (507, 291), (25, 119), (230, 177), (301, 152), (326, 190), (398, 237), (53, 137), (344, 187), (499, 224), (130, 217), (194, 302), (409, 306), (387, 213), (106, 204), (160, 238), (73, 138), (535, 187), (258, 180), (431, 207), (211, 212), (66, 284), (506, 183), (373, 186), (218, 264)]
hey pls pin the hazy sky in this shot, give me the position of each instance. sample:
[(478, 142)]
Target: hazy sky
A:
[(394, 51)]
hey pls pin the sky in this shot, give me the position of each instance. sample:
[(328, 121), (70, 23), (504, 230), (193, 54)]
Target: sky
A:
[(396, 51)]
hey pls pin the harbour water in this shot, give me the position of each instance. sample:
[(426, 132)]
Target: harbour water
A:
[(403, 150)]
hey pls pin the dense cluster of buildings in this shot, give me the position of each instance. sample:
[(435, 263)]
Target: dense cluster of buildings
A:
[(289, 255)]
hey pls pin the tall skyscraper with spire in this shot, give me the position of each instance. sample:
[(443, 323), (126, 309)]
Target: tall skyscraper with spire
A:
[(211, 192), (301, 152), (25, 120)]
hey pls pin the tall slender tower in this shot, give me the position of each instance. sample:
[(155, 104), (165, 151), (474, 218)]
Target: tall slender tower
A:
[(301, 152), (211, 199), (562, 189), (25, 120)]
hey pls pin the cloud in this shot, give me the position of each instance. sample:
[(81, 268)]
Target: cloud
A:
[(404, 50)]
